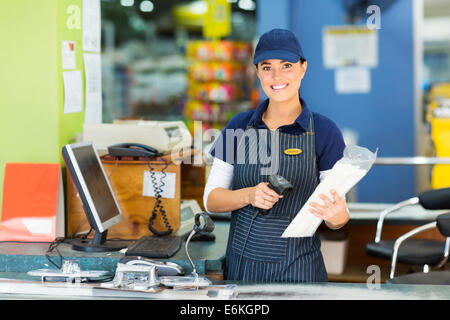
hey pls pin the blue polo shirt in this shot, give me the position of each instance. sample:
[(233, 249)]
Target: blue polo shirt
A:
[(328, 138)]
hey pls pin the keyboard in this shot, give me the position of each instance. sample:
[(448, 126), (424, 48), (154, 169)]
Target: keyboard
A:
[(155, 247)]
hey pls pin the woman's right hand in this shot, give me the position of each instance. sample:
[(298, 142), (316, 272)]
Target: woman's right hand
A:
[(261, 196)]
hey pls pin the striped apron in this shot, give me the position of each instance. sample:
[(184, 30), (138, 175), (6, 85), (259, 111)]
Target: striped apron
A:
[(255, 250)]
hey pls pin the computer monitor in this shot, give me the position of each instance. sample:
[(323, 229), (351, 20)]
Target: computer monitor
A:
[(97, 197)]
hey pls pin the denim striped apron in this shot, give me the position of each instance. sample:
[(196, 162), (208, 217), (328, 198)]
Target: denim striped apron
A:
[(255, 250)]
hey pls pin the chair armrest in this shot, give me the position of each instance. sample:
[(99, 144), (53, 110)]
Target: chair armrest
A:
[(384, 213), (404, 237)]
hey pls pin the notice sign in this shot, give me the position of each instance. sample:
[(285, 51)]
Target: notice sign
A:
[(350, 45), (163, 182), (352, 79), (217, 20)]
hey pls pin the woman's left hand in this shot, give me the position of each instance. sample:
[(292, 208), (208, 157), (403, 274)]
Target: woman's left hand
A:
[(333, 212)]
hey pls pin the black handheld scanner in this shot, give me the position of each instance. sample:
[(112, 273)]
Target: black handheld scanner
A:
[(280, 185)]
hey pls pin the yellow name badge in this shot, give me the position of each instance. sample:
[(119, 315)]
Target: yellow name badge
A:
[(293, 151)]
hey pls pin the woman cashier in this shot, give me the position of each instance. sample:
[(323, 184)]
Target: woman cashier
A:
[(307, 145)]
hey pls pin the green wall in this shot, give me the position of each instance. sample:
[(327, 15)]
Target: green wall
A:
[(33, 126)]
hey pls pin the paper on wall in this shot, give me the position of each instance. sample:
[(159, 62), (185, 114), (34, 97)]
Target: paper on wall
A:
[(352, 79), (91, 25), (68, 55), (349, 44), (93, 76), (345, 174), (73, 91)]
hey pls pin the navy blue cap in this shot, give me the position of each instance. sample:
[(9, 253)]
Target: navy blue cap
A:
[(278, 44)]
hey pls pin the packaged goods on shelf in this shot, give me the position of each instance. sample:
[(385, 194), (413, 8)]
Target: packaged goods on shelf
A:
[(219, 51), (219, 85)]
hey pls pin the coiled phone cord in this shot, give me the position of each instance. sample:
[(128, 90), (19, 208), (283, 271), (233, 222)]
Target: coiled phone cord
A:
[(158, 206)]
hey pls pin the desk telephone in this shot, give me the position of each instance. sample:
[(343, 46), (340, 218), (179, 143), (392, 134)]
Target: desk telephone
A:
[(141, 150)]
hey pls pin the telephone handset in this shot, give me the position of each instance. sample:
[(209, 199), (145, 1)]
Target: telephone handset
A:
[(142, 150), (129, 149)]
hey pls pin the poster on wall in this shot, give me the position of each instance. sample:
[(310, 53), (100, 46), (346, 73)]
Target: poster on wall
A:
[(93, 89), (347, 45), (91, 25)]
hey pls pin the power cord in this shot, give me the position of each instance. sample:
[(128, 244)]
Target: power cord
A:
[(54, 246)]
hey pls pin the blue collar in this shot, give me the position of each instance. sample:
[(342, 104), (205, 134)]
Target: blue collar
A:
[(302, 120)]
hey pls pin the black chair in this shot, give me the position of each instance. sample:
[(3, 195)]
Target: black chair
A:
[(414, 252), (432, 278)]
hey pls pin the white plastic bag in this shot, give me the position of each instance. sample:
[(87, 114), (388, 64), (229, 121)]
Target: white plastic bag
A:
[(345, 174)]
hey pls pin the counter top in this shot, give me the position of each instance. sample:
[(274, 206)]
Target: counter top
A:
[(16, 259), (13, 288), (22, 257)]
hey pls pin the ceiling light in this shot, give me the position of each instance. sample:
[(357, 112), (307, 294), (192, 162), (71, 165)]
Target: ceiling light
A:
[(248, 5), (127, 3), (199, 7), (146, 6)]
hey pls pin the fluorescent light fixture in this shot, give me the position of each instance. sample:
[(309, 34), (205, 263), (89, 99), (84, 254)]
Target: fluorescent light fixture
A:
[(248, 5), (199, 7), (146, 6), (127, 3)]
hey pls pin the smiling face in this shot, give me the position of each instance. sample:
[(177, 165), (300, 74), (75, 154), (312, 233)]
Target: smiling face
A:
[(280, 79)]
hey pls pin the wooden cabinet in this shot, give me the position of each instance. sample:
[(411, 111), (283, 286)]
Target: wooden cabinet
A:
[(127, 178)]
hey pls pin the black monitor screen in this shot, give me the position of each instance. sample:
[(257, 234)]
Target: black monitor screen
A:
[(92, 184)]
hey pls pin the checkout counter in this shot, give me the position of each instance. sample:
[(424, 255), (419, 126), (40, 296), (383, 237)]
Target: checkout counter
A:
[(16, 259)]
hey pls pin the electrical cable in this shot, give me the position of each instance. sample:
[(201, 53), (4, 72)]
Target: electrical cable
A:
[(245, 244), (114, 168), (54, 246)]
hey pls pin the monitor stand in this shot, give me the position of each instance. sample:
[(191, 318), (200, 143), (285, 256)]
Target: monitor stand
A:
[(99, 244)]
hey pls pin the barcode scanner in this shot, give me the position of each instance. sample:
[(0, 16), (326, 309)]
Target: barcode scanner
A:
[(203, 223), (280, 185)]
